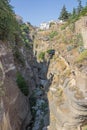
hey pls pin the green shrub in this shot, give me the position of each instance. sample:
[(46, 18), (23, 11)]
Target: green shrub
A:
[(51, 51), (81, 49), (19, 57), (51, 24), (82, 56), (22, 84), (79, 40), (53, 34), (42, 55), (84, 11), (64, 26), (48, 51), (70, 47), (25, 35), (72, 27), (25, 28), (73, 19)]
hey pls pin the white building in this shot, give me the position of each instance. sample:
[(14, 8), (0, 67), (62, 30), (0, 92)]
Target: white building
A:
[(56, 21), (44, 26)]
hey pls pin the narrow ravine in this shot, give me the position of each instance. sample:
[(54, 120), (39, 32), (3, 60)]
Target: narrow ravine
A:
[(39, 109)]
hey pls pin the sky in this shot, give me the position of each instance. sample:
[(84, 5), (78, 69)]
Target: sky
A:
[(39, 11)]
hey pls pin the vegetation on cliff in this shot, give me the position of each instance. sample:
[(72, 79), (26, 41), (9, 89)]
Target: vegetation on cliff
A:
[(18, 34), (75, 14), (8, 23), (64, 15), (22, 84)]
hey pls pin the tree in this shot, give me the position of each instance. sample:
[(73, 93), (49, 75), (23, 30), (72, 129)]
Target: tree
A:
[(86, 4), (74, 12), (79, 9), (64, 15)]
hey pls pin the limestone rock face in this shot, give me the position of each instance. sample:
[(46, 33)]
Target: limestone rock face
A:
[(64, 82), (14, 106), (57, 81), (81, 27), (67, 97)]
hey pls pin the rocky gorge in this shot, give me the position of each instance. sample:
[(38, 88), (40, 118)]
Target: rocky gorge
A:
[(54, 67)]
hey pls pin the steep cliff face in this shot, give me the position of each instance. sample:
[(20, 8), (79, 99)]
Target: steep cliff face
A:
[(54, 65), (81, 27), (65, 76), (12, 101), (18, 78), (67, 96)]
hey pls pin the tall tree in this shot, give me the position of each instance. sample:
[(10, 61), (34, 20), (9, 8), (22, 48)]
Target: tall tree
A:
[(86, 3), (74, 12), (79, 9), (64, 15)]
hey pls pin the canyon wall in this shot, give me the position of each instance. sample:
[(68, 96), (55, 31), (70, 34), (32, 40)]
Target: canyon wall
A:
[(67, 89), (56, 78), (81, 27), (12, 102)]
